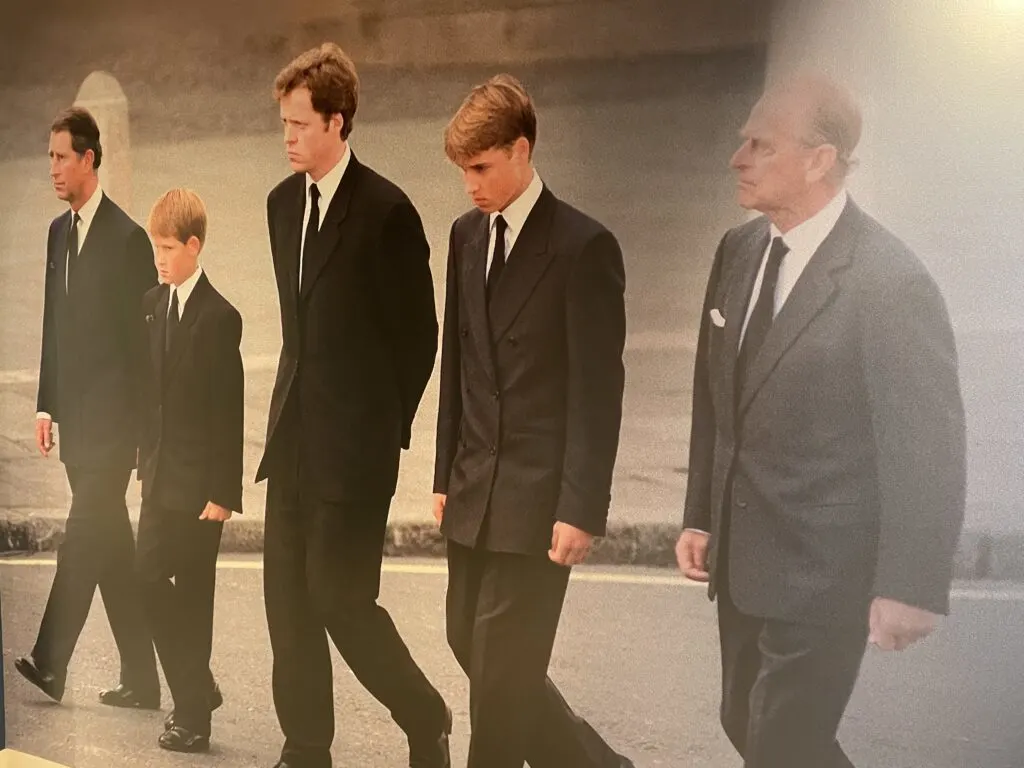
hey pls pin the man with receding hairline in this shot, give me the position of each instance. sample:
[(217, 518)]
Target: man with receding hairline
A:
[(827, 457), (99, 265)]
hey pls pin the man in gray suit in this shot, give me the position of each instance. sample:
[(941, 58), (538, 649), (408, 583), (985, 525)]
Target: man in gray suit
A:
[(827, 469)]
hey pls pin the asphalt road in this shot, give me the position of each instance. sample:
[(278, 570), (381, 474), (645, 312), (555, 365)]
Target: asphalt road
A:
[(636, 655)]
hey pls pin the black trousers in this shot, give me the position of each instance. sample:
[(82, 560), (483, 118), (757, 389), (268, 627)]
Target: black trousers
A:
[(785, 686), (98, 549), (322, 563), (176, 544), (502, 617)]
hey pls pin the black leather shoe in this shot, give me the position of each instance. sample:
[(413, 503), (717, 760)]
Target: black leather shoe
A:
[(179, 739), (45, 681), (433, 752), (216, 701), (126, 698)]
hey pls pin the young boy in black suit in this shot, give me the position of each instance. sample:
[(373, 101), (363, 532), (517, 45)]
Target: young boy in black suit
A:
[(190, 461)]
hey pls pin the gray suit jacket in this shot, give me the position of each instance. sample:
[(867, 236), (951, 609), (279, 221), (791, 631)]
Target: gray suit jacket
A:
[(838, 473)]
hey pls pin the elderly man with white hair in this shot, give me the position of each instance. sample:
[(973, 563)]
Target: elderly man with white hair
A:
[(827, 460)]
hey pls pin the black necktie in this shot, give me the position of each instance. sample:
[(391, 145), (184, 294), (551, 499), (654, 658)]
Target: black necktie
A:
[(172, 320), (498, 260), (312, 230), (764, 312), (73, 242)]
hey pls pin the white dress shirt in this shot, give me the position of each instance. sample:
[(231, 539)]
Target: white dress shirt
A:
[(86, 214), (184, 291), (327, 187), (515, 215), (802, 240)]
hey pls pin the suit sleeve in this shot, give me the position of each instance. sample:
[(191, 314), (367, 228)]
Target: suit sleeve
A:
[(139, 277), (449, 411), (910, 361), (697, 507), (596, 327), (406, 291), (46, 399), (227, 423)]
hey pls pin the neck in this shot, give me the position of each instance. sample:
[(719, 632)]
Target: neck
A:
[(794, 215), (187, 277), (527, 180), (88, 190), (329, 162)]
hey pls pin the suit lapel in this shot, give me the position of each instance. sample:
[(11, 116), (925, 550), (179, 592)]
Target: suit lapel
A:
[(330, 231), (183, 334), (474, 267), (811, 294), (60, 253), (735, 307), (527, 262), (157, 329), (290, 229)]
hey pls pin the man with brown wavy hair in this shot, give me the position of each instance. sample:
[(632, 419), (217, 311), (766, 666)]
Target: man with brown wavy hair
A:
[(528, 428), (359, 336)]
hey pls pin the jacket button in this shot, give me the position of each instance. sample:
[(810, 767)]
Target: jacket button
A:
[(497, 394), (493, 450), (513, 340), (741, 503)]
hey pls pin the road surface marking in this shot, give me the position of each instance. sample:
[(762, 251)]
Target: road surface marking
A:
[(1013, 594)]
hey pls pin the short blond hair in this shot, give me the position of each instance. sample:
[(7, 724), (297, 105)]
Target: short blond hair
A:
[(493, 116), (179, 213), (330, 75)]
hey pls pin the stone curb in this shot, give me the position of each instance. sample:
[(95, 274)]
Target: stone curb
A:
[(981, 555)]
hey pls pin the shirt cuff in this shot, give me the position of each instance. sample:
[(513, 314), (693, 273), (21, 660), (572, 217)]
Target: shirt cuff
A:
[(697, 530), (44, 415)]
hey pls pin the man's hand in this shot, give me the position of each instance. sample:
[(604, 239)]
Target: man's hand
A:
[(692, 555), (439, 502), (894, 625), (569, 545), (44, 436), (216, 513)]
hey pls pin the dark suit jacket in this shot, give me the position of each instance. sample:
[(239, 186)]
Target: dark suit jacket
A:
[(842, 472), (359, 344), (194, 404), (93, 346), (531, 387)]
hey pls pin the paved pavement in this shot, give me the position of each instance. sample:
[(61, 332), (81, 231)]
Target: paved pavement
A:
[(636, 655)]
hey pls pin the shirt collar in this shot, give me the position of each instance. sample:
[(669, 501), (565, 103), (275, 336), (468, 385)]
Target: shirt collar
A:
[(328, 185), (516, 212), (809, 235), (185, 289), (88, 210)]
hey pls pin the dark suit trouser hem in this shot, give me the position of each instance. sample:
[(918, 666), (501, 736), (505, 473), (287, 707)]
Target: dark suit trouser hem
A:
[(502, 618), (98, 550), (322, 564), (785, 687), (177, 544)]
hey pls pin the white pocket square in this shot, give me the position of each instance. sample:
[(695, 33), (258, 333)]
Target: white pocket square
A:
[(717, 318)]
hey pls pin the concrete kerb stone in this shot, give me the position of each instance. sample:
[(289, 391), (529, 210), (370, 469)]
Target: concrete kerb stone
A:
[(980, 555)]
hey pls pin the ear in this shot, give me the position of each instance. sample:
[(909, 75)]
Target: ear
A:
[(823, 161), (194, 246), (90, 156), (335, 123), (521, 149)]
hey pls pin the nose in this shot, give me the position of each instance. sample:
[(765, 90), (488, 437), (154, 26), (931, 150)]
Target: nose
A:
[(739, 157), (471, 185)]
